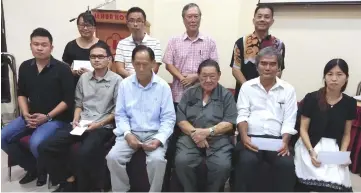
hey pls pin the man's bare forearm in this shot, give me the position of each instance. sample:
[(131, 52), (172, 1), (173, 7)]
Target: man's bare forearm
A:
[(186, 127), (174, 71), (243, 128), (23, 104), (238, 75)]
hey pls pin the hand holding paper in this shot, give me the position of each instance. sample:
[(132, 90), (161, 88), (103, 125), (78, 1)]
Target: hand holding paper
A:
[(78, 64), (267, 144), (79, 130), (337, 157)]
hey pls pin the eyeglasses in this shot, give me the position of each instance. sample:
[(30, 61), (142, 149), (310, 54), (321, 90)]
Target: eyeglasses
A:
[(131, 21), (100, 57), (82, 26)]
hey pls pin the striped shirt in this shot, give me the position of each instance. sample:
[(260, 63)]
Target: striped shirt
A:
[(126, 46), (186, 55)]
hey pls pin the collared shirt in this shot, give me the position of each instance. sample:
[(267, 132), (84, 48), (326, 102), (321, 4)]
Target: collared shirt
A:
[(45, 90), (186, 55), (273, 113), (97, 97), (245, 51), (220, 107), (126, 46), (145, 109)]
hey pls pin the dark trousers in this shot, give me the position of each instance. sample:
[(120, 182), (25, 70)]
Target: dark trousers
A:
[(88, 162), (246, 171), (170, 154)]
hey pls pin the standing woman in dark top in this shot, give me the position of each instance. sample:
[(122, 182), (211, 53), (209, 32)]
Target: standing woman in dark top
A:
[(326, 118), (78, 49)]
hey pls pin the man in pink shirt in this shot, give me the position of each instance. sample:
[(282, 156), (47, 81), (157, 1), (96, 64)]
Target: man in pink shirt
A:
[(184, 53)]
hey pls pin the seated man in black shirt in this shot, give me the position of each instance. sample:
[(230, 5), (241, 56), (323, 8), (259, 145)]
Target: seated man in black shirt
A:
[(45, 95)]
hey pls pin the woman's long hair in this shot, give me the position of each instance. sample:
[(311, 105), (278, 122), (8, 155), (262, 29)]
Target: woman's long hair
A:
[(322, 101)]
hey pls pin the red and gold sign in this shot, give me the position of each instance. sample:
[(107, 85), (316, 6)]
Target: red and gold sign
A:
[(111, 16)]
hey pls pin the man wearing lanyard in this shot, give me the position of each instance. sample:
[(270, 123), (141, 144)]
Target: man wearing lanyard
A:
[(246, 48)]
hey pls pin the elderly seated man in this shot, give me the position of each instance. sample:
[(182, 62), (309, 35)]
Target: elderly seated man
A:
[(145, 118), (205, 114), (267, 108)]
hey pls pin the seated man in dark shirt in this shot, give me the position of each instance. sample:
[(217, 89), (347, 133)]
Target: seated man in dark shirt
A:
[(46, 97), (206, 115)]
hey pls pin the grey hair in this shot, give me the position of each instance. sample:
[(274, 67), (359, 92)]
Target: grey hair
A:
[(270, 51), (188, 6)]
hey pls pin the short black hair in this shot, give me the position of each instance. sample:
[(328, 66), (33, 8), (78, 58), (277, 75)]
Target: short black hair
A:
[(140, 48), (263, 7), (88, 18), (42, 32), (101, 44), (137, 10), (208, 63)]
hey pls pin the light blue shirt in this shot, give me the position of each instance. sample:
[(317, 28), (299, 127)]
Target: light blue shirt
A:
[(144, 109)]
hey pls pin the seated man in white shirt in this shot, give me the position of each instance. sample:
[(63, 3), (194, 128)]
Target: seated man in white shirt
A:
[(144, 117), (267, 108)]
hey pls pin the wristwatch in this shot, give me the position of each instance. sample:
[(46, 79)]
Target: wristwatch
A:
[(49, 118), (211, 131)]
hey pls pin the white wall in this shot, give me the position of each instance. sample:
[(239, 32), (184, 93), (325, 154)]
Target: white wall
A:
[(313, 35)]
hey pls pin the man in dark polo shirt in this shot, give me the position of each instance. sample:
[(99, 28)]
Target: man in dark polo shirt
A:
[(46, 97), (247, 47)]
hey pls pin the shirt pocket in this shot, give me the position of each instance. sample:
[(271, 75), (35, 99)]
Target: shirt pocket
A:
[(205, 54), (218, 109)]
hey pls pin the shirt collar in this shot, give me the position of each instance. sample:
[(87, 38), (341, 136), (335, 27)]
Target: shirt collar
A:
[(51, 62), (214, 95), (145, 38), (199, 36), (268, 37), (106, 77), (279, 83), (154, 79)]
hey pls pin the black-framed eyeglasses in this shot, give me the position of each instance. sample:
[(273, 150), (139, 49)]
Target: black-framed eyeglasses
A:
[(100, 57)]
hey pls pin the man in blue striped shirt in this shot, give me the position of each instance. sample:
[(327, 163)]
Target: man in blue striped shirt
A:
[(145, 118)]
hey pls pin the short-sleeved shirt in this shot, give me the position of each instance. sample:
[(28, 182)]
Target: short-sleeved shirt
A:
[(45, 90), (97, 97), (245, 51), (329, 122), (126, 46), (73, 52), (220, 107), (186, 55)]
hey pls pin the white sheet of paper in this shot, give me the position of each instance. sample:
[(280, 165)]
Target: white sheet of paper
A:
[(77, 64), (267, 143), (337, 157), (81, 129)]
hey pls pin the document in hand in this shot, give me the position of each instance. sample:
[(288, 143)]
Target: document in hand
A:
[(267, 144), (77, 64), (81, 128), (336, 157)]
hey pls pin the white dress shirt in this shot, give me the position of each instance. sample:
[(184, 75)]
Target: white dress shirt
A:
[(273, 113)]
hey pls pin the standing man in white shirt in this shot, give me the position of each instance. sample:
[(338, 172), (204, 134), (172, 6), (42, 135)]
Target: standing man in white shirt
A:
[(136, 22), (267, 108)]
